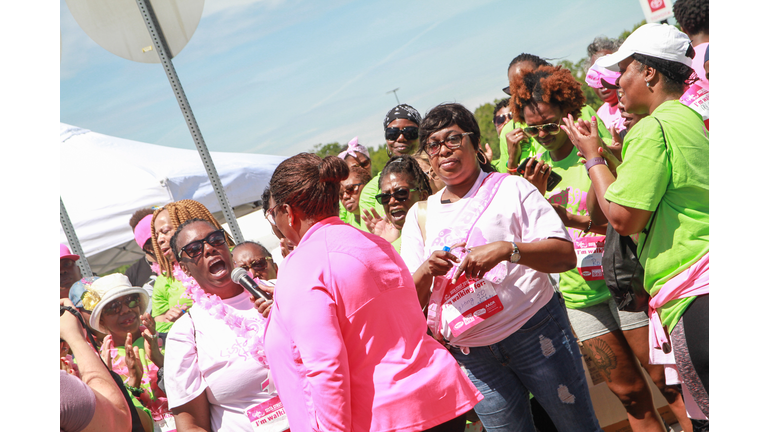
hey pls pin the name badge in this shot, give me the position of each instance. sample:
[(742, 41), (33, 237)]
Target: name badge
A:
[(467, 303), (268, 416), (589, 256)]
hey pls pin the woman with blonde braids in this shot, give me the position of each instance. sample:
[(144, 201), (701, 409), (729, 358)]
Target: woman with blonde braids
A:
[(168, 305)]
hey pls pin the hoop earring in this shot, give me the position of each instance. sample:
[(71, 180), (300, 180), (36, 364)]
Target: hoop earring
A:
[(485, 158), (389, 152)]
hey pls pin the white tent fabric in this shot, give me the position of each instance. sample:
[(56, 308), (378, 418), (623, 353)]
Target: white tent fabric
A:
[(105, 179)]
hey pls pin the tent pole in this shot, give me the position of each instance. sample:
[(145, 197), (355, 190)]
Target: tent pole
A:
[(158, 40), (74, 243)]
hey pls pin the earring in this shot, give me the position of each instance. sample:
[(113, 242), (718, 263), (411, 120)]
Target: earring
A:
[(485, 158), (647, 84), (389, 152)]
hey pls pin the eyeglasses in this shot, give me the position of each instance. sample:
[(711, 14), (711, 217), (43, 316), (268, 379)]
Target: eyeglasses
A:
[(350, 189), (452, 142), (270, 214), (550, 128), (500, 119), (114, 307), (148, 249), (409, 132), (400, 195), (257, 265), (620, 93), (195, 248)]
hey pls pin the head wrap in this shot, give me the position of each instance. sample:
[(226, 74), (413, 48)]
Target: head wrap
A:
[(402, 111), (354, 147)]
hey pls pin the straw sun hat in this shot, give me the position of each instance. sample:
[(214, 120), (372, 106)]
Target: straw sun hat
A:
[(106, 289)]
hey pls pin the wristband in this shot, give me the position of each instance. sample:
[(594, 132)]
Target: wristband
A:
[(594, 161), (134, 391), (589, 226)]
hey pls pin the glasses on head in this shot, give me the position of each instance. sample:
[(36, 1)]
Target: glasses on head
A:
[(195, 248), (114, 307), (409, 132), (500, 119), (257, 265), (400, 195), (549, 128), (350, 189), (452, 142)]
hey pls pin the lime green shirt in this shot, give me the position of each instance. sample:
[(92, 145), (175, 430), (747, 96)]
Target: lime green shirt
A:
[(571, 193), (368, 198), (349, 218), (675, 184), (166, 294)]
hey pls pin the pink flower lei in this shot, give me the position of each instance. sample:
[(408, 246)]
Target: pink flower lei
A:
[(249, 330)]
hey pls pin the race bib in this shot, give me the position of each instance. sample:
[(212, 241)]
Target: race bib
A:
[(167, 423), (467, 303), (268, 416), (589, 256)]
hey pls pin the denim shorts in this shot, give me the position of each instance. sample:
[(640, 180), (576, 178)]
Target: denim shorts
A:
[(593, 321), (542, 358)]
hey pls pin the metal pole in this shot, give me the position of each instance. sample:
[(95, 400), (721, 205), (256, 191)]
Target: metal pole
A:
[(395, 92), (158, 40), (74, 243)]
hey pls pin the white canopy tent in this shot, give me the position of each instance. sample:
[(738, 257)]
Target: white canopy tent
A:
[(105, 179)]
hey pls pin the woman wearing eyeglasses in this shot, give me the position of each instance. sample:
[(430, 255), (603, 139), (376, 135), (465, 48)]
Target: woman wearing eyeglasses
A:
[(401, 131), (403, 184), (610, 338), (116, 310), (481, 269), (216, 368), (346, 338), (349, 196), (661, 191)]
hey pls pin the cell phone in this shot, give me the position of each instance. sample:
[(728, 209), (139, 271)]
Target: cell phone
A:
[(552, 181)]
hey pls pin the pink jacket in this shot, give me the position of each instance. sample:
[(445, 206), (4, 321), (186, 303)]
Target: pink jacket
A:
[(346, 340)]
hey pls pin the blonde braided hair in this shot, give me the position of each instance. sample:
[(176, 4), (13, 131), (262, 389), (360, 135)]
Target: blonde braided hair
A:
[(180, 212)]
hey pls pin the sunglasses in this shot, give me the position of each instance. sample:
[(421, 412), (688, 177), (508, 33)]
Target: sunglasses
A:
[(400, 195), (257, 265), (500, 119), (409, 132), (350, 189), (148, 249), (114, 307), (452, 142), (549, 128), (195, 248)]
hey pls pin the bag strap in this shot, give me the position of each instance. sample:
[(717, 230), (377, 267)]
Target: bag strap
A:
[(647, 231), (421, 218)]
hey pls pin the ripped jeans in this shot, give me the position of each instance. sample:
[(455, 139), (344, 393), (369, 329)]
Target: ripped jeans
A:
[(543, 358)]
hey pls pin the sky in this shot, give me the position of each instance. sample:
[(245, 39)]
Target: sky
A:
[(279, 76)]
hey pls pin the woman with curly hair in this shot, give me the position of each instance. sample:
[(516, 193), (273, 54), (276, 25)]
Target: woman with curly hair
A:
[(610, 338), (661, 191)]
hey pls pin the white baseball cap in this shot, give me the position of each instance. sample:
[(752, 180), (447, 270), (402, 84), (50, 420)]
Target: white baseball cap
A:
[(661, 41)]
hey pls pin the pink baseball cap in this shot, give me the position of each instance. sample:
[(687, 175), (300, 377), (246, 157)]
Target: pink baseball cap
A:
[(64, 253), (143, 231), (598, 77)]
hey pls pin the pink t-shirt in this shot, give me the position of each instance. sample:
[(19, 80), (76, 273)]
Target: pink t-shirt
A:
[(204, 357), (611, 116), (517, 213), (698, 63), (347, 341)]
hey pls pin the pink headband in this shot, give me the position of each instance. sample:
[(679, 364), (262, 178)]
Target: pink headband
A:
[(354, 147), (596, 73), (143, 230)]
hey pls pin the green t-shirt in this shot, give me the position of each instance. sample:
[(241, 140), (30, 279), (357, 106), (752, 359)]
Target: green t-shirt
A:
[(571, 193), (368, 198), (674, 183), (349, 218), (166, 294), (531, 147)]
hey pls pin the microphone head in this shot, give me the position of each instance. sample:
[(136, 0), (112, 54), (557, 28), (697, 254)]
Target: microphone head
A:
[(238, 273)]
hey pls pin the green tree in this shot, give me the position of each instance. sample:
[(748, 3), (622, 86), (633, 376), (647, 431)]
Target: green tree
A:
[(379, 158), (579, 71), (488, 134), (330, 149)]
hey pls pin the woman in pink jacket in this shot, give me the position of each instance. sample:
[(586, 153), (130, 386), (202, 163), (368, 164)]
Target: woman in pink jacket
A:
[(346, 339)]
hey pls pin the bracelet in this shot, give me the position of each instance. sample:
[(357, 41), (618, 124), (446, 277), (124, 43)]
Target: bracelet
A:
[(134, 391), (594, 161), (589, 226)]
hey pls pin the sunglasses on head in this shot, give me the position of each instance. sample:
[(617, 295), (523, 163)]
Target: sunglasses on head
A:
[(500, 119), (195, 248), (350, 189), (400, 195), (409, 132), (257, 265), (549, 128), (114, 307)]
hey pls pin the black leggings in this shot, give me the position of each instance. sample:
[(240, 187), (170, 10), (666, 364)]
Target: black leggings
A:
[(690, 339), (456, 425)]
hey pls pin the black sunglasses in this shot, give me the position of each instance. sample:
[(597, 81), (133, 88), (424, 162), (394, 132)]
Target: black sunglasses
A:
[(409, 132), (148, 249), (350, 189), (195, 248), (400, 195), (500, 119), (114, 307), (257, 265)]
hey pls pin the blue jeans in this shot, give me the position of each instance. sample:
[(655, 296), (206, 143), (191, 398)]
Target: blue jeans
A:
[(542, 358)]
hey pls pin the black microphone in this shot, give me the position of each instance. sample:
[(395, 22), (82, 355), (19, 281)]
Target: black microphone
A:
[(240, 276)]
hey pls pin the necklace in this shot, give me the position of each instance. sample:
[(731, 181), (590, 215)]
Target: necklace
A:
[(249, 330)]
